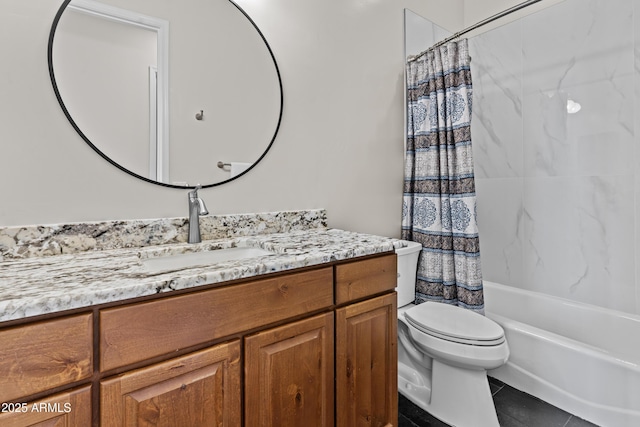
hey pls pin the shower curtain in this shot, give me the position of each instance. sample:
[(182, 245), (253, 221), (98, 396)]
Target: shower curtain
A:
[(439, 206)]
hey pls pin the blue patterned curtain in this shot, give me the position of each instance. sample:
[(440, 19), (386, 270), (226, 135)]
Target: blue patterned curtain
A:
[(439, 206)]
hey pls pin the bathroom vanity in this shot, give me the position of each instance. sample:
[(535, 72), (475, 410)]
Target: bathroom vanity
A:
[(303, 336)]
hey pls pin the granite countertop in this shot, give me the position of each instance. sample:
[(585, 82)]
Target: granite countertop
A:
[(37, 285)]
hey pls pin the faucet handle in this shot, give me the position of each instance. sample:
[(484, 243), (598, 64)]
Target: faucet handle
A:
[(193, 196), (194, 193)]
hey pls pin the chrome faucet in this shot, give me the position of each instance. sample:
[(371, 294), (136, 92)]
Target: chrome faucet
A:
[(196, 209)]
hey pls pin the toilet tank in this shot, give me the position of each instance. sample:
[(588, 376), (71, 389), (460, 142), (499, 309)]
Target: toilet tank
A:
[(407, 268)]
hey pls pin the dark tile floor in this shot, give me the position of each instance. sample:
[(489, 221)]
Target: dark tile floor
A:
[(514, 408)]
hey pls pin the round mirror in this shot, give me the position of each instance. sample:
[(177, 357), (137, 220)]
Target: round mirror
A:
[(174, 92)]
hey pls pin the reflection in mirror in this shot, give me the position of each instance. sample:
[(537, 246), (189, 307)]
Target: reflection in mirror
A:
[(167, 89)]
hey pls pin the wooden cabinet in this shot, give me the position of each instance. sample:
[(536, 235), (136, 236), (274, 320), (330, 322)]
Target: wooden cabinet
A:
[(313, 347), (366, 347), (289, 375), (367, 363), (284, 367), (198, 390)]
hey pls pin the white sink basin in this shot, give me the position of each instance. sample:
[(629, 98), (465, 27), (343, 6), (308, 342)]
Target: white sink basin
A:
[(172, 262)]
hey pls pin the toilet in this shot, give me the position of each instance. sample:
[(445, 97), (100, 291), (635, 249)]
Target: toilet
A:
[(444, 352)]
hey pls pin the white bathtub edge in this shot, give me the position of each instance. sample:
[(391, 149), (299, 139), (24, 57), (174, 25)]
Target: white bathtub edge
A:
[(528, 382)]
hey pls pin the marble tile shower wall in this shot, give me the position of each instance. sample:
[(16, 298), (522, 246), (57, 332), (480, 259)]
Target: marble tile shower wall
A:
[(557, 191)]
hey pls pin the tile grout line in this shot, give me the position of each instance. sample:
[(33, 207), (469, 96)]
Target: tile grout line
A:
[(410, 420), (497, 391)]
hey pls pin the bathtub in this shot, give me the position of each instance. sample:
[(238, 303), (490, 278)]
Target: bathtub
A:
[(579, 357)]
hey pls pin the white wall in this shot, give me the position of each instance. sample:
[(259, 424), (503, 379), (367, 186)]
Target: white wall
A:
[(421, 33), (477, 10), (339, 146)]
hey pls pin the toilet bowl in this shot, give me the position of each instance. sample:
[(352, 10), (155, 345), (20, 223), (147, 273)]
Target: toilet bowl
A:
[(444, 352)]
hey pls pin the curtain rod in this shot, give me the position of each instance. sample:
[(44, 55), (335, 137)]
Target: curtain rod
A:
[(478, 25)]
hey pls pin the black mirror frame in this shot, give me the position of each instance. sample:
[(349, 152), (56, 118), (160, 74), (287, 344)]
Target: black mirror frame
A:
[(54, 26)]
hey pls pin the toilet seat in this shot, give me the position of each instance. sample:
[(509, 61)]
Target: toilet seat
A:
[(455, 344), (455, 324)]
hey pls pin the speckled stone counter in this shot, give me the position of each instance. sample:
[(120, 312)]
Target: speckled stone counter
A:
[(57, 239), (35, 281)]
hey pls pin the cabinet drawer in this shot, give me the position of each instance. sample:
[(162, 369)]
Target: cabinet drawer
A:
[(44, 355), (69, 409), (360, 279), (137, 332)]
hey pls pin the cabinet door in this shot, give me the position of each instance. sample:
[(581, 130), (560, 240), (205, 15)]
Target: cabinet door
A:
[(367, 363), (68, 409), (199, 389), (289, 375)]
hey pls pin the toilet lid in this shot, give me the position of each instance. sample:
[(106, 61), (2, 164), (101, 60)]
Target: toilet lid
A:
[(454, 324)]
